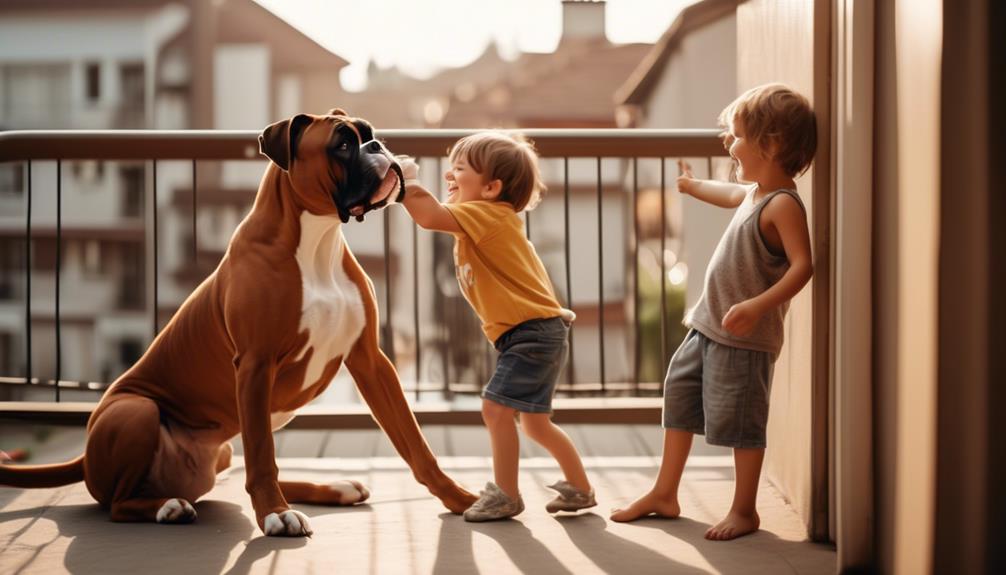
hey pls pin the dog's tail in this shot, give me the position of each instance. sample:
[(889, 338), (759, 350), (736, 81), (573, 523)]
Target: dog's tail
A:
[(52, 475)]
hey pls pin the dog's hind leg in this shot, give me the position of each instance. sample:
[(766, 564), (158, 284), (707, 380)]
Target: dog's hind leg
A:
[(224, 456), (121, 445), (335, 493), (161, 510)]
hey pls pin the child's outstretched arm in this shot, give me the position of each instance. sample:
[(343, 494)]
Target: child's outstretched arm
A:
[(425, 209), (789, 219), (722, 194)]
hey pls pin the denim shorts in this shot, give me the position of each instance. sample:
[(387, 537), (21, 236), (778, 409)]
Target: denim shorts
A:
[(531, 357), (718, 390)]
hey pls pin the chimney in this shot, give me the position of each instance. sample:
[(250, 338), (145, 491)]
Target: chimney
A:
[(582, 19)]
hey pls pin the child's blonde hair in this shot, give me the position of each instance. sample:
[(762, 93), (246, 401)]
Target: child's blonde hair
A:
[(508, 157), (778, 119)]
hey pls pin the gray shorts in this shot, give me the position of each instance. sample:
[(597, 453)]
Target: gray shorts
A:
[(719, 391), (531, 357)]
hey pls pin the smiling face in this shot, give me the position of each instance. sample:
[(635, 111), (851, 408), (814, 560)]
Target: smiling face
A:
[(334, 163), (751, 160), (464, 184)]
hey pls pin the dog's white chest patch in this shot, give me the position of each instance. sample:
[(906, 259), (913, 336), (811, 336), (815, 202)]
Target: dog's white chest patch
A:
[(332, 310)]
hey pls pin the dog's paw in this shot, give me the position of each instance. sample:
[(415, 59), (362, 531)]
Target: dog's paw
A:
[(350, 491), (176, 511), (289, 523)]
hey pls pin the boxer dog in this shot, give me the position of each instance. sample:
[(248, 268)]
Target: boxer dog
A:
[(263, 335)]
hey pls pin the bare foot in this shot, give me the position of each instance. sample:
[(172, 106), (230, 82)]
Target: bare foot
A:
[(733, 526), (649, 504)]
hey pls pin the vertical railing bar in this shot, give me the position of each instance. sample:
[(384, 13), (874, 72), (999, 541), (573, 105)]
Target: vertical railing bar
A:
[(663, 266), (154, 205), (415, 298), (195, 241), (445, 333), (569, 282), (600, 272), (59, 264), (27, 274), (635, 273), (389, 343)]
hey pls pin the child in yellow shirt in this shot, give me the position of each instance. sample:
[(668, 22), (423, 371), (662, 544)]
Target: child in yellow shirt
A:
[(494, 176)]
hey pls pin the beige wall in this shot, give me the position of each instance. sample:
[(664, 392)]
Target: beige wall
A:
[(775, 43), (885, 287), (851, 321), (908, 160)]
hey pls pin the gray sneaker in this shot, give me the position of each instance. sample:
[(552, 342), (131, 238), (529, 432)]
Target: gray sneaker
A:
[(493, 504), (570, 498)]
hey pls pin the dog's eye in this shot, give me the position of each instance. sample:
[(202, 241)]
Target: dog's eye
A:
[(343, 146)]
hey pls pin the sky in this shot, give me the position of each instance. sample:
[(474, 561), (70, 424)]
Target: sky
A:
[(422, 36)]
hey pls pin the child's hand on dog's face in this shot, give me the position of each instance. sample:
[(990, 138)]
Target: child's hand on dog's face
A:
[(686, 178), (410, 169), (742, 317)]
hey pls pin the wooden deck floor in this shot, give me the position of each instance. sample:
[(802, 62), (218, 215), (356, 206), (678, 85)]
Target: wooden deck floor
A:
[(404, 530)]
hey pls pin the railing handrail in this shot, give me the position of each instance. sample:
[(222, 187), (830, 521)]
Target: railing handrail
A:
[(23, 145)]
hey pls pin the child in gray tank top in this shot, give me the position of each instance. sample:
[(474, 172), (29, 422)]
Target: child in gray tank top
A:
[(718, 381)]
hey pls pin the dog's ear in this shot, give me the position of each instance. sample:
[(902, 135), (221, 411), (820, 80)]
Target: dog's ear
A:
[(278, 141), (337, 112)]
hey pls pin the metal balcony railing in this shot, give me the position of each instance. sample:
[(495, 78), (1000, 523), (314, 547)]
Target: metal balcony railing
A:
[(194, 146)]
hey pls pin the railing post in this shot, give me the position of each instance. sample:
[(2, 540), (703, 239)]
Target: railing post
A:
[(663, 265), (59, 264), (569, 282), (154, 207), (415, 300), (600, 269), (27, 280), (195, 240), (389, 341)]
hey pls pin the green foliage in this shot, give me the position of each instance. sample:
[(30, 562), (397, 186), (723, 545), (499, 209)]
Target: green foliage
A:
[(651, 365)]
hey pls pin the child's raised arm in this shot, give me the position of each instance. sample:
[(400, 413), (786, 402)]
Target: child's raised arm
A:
[(425, 209), (429, 213), (722, 194)]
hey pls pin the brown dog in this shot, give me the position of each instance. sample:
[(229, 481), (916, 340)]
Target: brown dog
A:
[(262, 336)]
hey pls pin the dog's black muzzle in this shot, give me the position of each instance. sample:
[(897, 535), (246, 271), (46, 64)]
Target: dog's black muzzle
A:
[(353, 200)]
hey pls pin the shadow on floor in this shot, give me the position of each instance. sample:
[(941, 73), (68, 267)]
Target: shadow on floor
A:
[(610, 553), (100, 546)]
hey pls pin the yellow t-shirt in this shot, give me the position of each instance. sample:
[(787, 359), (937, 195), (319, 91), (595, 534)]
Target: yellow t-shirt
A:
[(498, 269)]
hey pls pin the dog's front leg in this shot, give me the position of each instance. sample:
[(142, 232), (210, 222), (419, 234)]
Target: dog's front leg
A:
[(380, 387), (255, 378)]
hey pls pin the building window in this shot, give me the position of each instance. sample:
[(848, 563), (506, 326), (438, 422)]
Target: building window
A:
[(92, 79), (89, 171), (132, 80), (92, 258), (36, 96), (11, 179), (130, 351), (44, 254), (132, 190), (11, 267), (131, 278), (6, 353)]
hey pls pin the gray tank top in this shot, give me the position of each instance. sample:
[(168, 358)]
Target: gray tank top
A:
[(741, 268)]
